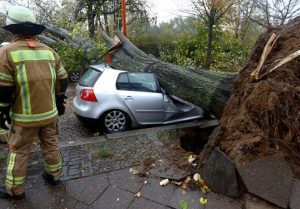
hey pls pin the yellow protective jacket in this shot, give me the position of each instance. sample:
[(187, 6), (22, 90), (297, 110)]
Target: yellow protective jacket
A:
[(33, 69)]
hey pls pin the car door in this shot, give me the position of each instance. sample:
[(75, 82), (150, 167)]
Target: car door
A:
[(141, 93)]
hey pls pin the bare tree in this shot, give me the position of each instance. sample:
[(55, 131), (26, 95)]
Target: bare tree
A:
[(104, 13), (274, 13), (211, 13)]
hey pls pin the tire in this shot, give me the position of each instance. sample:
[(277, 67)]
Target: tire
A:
[(114, 121), (74, 77)]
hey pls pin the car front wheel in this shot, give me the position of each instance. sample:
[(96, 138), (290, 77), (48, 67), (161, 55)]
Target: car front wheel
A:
[(114, 121)]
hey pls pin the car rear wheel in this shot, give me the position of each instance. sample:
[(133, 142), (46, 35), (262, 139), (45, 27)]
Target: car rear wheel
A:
[(115, 121)]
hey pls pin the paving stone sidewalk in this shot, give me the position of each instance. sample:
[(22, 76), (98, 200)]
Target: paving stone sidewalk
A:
[(97, 175), (114, 190)]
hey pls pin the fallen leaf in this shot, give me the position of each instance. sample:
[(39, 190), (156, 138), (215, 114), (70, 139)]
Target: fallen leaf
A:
[(196, 177), (164, 182), (184, 204), (203, 200), (178, 183), (133, 171), (138, 194), (186, 182), (207, 188), (201, 181), (191, 158)]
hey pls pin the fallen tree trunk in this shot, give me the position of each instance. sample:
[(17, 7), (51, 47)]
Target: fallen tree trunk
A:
[(55, 35), (198, 86)]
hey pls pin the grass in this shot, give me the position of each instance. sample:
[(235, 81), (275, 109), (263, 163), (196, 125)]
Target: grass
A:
[(144, 141), (163, 136), (103, 153), (136, 162)]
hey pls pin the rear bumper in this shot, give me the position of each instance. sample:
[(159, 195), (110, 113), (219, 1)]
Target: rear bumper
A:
[(86, 109)]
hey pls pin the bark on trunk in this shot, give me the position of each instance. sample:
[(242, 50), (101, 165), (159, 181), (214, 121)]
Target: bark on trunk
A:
[(91, 20), (201, 87), (209, 46)]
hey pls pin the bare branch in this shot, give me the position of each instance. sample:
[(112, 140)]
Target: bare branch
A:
[(44, 10)]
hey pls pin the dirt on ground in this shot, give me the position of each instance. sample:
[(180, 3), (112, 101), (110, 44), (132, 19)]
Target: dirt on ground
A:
[(262, 117)]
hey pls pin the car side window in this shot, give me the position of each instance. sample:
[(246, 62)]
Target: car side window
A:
[(122, 82), (136, 82), (142, 82)]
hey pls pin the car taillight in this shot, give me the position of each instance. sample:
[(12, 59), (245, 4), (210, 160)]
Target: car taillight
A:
[(88, 95)]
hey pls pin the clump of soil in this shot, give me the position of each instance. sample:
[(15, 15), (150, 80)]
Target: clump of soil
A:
[(262, 117)]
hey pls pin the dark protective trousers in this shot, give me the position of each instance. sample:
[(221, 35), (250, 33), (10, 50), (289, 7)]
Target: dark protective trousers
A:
[(20, 143)]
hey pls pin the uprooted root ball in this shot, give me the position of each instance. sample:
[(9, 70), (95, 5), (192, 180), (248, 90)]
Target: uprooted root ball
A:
[(262, 117)]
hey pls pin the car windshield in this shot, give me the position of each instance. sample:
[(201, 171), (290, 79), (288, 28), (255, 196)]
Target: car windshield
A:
[(89, 78)]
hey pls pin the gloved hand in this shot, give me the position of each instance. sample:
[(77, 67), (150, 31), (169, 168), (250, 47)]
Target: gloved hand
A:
[(4, 116), (60, 104)]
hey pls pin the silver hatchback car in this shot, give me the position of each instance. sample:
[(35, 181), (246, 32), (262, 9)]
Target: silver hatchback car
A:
[(116, 100)]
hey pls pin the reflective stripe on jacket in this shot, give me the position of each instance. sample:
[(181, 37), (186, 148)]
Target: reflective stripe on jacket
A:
[(34, 72)]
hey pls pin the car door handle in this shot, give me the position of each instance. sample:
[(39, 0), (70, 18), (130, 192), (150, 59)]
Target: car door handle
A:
[(129, 98)]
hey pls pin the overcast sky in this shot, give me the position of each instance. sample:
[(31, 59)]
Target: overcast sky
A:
[(168, 9), (164, 9)]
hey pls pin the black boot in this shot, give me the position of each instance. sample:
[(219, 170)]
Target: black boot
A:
[(50, 179), (5, 195)]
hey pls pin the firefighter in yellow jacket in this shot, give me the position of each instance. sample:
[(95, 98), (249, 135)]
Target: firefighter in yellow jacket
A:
[(32, 86)]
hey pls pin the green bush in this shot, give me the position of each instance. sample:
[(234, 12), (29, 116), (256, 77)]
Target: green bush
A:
[(76, 58)]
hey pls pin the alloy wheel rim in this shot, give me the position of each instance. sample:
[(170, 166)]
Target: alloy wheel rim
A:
[(115, 121), (75, 76)]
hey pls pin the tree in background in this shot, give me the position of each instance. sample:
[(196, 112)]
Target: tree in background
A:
[(211, 12), (4, 35), (106, 14), (82, 20), (157, 40), (91, 15), (273, 13)]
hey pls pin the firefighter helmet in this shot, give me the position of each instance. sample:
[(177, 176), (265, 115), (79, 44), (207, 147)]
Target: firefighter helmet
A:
[(21, 21), (18, 14)]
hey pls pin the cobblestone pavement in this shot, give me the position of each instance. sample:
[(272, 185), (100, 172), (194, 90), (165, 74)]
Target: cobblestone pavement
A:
[(71, 130)]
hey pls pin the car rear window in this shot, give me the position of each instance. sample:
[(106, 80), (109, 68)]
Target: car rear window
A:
[(90, 77)]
